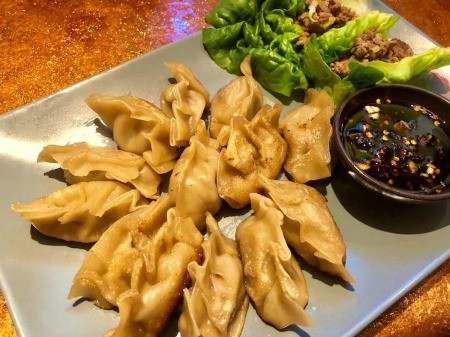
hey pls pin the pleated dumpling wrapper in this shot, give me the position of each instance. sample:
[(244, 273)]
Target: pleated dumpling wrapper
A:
[(307, 131), (106, 270), (140, 266), (158, 279), (309, 226), (184, 103), (83, 211), (138, 126), (240, 97), (192, 184), (254, 147), (273, 278), (216, 303), (86, 162)]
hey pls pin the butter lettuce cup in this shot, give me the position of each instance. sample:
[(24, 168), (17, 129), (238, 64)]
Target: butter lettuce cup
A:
[(394, 139)]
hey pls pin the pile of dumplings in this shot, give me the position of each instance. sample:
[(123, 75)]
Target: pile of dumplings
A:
[(157, 249)]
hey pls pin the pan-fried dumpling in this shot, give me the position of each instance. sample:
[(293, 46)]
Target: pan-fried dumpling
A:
[(81, 212), (309, 226), (192, 185), (307, 130), (273, 277), (254, 147), (216, 303), (240, 97), (138, 126), (158, 277), (107, 269), (184, 102), (85, 162)]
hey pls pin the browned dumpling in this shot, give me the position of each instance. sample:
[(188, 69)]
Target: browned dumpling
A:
[(273, 278), (85, 162), (307, 131), (216, 303), (254, 147), (192, 184), (158, 278), (240, 97), (309, 226), (81, 212), (184, 103), (107, 269), (140, 265), (138, 126)]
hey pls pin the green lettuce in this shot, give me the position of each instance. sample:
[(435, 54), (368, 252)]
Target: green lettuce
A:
[(229, 12), (335, 41), (408, 67), (267, 33), (226, 46), (321, 75), (277, 68), (267, 30), (277, 18)]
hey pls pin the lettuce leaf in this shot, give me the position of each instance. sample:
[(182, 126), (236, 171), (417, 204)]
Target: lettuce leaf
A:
[(267, 30), (321, 75), (338, 40), (314, 66), (226, 46), (229, 12), (403, 70), (277, 68), (277, 17), (267, 33)]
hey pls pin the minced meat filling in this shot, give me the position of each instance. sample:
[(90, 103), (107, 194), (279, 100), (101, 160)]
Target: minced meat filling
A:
[(370, 46), (374, 46), (323, 15)]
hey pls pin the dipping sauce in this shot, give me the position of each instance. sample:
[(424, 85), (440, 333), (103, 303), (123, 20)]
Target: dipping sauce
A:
[(400, 145)]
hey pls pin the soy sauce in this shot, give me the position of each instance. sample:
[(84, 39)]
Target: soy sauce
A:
[(404, 146)]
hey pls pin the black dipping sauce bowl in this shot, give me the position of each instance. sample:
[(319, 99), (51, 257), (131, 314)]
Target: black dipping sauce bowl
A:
[(402, 94)]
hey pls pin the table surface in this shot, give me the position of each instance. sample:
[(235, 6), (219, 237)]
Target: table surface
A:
[(47, 45)]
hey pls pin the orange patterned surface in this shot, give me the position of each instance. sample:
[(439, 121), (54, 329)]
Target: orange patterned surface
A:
[(46, 45)]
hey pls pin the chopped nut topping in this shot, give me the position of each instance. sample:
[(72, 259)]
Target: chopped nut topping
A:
[(412, 166), (363, 166), (372, 109), (375, 115), (417, 108), (401, 126)]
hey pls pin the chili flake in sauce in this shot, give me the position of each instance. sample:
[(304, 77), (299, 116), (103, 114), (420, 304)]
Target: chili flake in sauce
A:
[(403, 146)]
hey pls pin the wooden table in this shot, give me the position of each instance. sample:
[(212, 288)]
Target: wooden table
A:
[(46, 45)]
